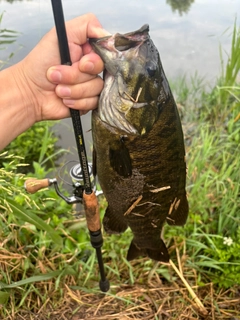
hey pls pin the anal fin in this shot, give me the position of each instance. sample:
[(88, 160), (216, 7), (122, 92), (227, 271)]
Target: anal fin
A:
[(159, 254), (134, 252)]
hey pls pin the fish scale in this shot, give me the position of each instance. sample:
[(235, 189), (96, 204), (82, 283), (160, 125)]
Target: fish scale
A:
[(140, 163)]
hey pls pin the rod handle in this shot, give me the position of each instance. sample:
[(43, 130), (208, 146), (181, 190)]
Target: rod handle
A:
[(92, 211), (32, 185)]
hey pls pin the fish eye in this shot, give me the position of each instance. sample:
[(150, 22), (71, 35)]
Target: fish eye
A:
[(151, 70)]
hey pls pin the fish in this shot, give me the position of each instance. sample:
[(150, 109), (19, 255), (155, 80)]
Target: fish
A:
[(138, 144)]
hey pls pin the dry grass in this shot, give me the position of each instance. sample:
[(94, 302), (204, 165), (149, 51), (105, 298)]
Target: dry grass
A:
[(149, 298)]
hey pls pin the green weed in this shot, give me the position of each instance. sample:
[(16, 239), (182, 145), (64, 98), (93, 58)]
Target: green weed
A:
[(36, 145), (212, 130)]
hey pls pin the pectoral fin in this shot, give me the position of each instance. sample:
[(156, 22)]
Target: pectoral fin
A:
[(113, 222)]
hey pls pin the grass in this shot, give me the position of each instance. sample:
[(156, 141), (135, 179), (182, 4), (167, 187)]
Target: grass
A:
[(48, 269), (7, 37)]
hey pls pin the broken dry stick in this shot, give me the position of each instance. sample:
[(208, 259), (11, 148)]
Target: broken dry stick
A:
[(135, 203), (160, 189), (198, 303)]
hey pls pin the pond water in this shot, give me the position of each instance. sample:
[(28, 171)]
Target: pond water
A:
[(187, 33)]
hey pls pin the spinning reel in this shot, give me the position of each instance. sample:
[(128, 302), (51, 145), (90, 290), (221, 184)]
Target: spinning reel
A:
[(76, 174)]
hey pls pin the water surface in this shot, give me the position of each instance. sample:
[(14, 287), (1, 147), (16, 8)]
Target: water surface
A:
[(187, 37)]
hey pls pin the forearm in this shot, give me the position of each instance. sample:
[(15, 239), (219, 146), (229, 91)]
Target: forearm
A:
[(16, 109)]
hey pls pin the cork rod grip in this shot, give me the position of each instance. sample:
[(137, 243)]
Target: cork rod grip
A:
[(32, 185), (92, 211)]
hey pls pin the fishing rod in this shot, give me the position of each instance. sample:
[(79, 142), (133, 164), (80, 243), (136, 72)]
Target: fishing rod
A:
[(89, 197), (82, 193)]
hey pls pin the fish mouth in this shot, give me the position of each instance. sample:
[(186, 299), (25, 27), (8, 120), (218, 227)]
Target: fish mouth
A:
[(120, 42), (113, 50), (116, 42)]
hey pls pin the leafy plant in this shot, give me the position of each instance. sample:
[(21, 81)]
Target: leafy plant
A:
[(218, 104), (37, 144), (38, 243), (212, 133), (180, 6)]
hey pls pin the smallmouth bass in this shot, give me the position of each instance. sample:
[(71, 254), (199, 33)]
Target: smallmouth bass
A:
[(138, 146)]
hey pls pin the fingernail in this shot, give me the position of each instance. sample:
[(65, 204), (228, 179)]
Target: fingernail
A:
[(88, 66), (106, 32), (54, 75), (68, 102), (100, 32), (64, 91)]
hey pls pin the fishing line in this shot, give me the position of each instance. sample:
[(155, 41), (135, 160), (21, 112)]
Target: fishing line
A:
[(60, 172)]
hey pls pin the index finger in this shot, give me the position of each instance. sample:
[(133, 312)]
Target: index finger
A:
[(84, 27)]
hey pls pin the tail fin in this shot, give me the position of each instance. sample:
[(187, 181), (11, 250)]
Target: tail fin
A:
[(159, 254)]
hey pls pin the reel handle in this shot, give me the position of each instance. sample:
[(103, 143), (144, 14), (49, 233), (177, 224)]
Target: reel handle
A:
[(33, 185)]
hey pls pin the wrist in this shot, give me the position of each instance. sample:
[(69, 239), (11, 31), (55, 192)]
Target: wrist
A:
[(16, 104), (25, 93)]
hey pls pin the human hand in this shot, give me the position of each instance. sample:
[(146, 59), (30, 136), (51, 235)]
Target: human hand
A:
[(54, 87)]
